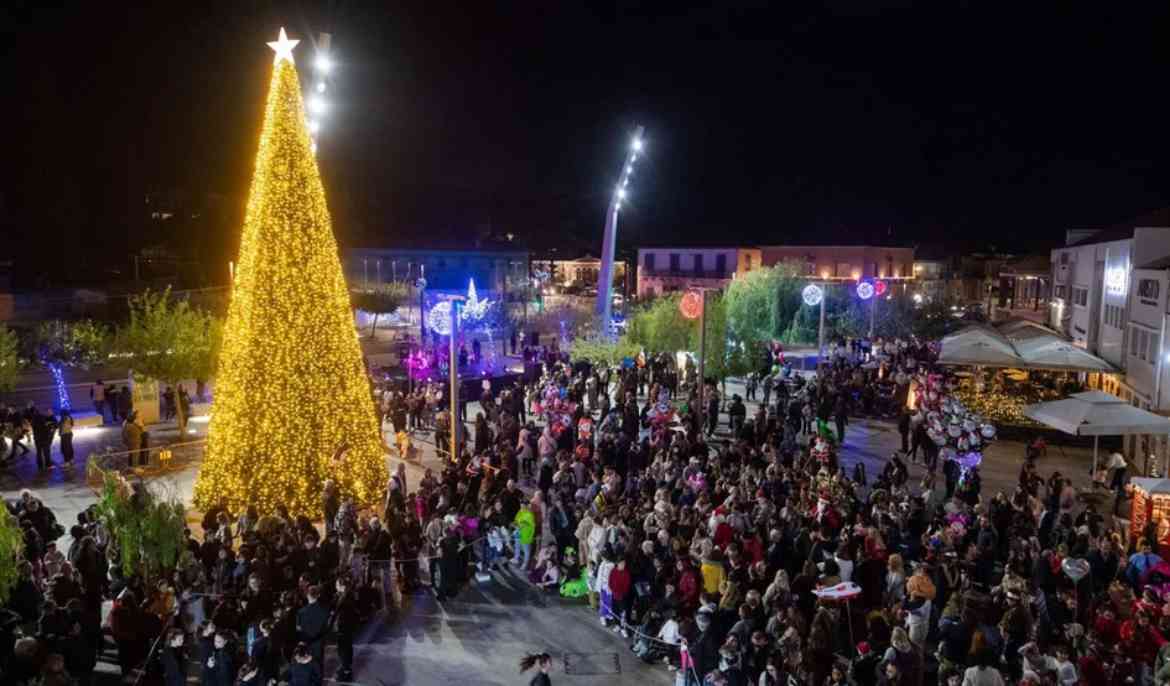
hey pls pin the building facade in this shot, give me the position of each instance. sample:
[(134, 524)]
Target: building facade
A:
[(1109, 297), (493, 269), (844, 262), (671, 269), (582, 272)]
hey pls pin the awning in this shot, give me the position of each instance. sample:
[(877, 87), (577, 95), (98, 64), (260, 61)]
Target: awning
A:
[(979, 345), (1094, 413), (1020, 344), (1052, 352)]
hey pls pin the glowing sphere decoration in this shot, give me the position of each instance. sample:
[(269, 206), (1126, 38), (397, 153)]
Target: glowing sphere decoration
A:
[(813, 295), (439, 318), (691, 305), (879, 287), (865, 290)]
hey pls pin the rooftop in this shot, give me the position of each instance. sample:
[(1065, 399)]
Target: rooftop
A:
[(1159, 218)]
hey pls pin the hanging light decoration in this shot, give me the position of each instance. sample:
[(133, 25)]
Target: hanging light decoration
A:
[(865, 290), (691, 305), (813, 295)]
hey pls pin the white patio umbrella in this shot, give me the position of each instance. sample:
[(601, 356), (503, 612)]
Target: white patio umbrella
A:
[(1097, 414)]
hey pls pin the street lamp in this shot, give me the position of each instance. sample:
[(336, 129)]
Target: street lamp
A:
[(605, 277), (813, 295)]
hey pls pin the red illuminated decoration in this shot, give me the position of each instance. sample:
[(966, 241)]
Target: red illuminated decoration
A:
[(879, 287), (691, 305), (1151, 503)]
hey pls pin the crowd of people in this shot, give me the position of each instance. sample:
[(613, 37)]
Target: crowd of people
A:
[(731, 546), (38, 427), (704, 540)]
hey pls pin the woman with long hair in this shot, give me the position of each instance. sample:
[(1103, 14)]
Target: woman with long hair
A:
[(543, 664)]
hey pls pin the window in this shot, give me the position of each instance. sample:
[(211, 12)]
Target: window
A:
[(1113, 315), (1061, 292), (1143, 345), (1133, 341), (1152, 350), (747, 262), (648, 261), (674, 262), (721, 265), (1080, 296), (699, 264), (1064, 258), (1148, 289)]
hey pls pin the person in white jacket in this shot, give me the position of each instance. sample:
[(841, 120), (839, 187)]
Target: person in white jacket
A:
[(601, 583)]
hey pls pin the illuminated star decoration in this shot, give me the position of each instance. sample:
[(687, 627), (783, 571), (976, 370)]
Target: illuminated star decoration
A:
[(283, 47)]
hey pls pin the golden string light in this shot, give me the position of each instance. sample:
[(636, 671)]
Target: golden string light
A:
[(291, 389)]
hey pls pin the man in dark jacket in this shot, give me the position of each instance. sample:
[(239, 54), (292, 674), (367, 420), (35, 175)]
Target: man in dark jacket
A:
[(44, 425), (346, 622), (313, 624)]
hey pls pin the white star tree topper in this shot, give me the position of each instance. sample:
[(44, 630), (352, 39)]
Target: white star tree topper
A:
[(283, 47)]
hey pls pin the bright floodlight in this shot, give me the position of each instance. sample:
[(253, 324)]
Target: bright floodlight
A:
[(314, 126), (617, 207), (629, 169), (621, 194), (323, 64), (313, 147), (638, 144), (320, 86), (317, 105)]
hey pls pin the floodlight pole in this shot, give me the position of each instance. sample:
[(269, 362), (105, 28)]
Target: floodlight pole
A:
[(605, 278)]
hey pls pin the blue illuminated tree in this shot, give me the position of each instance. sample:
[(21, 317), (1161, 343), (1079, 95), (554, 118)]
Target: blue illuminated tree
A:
[(57, 345)]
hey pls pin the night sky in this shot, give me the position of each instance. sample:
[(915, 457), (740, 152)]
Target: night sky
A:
[(966, 124)]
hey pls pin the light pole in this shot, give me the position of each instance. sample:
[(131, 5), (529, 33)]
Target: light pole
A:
[(605, 278), (453, 372), (421, 286), (813, 295), (694, 306)]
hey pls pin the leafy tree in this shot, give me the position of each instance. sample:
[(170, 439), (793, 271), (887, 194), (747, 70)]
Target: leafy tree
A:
[(660, 327), (145, 526), (59, 344), (762, 303), (9, 359), (601, 350), (170, 340), (893, 317), (382, 299), (11, 553)]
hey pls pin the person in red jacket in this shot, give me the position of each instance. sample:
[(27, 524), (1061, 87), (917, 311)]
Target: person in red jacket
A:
[(1106, 627), (753, 547), (1142, 641), (723, 531), (689, 585), (1090, 668), (620, 586)]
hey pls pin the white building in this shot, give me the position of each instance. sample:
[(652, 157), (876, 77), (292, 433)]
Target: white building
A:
[(1096, 280)]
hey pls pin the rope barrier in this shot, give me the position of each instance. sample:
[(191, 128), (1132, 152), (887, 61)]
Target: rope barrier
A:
[(151, 449)]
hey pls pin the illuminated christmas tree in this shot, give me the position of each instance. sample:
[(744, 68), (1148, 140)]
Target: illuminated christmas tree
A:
[(292, 403)]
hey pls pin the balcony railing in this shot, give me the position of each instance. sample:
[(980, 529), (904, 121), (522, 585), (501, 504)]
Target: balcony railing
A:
[(685, 273)]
